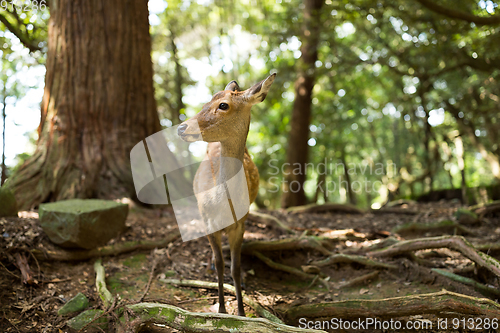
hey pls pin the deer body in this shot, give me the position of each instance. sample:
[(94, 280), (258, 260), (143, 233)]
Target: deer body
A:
[(224, 123)]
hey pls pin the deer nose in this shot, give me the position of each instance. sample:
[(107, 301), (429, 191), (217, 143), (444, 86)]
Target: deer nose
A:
[(181, 129)]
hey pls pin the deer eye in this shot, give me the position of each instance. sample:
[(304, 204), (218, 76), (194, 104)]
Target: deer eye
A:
[(223, 106)]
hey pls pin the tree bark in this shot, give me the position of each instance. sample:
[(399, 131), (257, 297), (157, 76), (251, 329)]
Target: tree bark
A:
[(348, 185), (297, 153), (98, 103), (3, 177), (179, 105)]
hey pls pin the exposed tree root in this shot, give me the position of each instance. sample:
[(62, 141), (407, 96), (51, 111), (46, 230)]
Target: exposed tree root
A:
[(328, 207), (394, 210), (442, 226), (172, 316), (493, 207), (289, 269), (456, 243), (400, 202), (483, 208), (228, 288), (359, 280), (100, 283), (485, 290), (349, 258), (110, 250), (305, 242), (284, 268), (488, 247), (186, 321), (377, 245), (333, 234), (442, 302), (343, 234), (268, 219)]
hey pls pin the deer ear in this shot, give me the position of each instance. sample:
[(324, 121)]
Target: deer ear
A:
[(258, 92), (233, 86)]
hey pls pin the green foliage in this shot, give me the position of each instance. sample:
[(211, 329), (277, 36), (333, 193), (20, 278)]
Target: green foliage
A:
[(396, 84), (387, 74)]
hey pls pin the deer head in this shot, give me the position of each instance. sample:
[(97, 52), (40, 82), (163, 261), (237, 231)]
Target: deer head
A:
[(227, 115)]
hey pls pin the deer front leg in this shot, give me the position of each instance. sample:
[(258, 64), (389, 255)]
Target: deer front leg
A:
[(215, 242), (235, 238)]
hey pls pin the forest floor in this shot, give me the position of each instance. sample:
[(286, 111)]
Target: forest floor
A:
[(33, 308)]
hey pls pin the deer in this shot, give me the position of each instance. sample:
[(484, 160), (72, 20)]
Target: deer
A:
[(224, 123)]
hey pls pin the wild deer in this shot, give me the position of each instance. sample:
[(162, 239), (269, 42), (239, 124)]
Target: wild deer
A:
[(224, 123)]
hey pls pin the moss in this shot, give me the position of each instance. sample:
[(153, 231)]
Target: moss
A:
[(169, 314), (78, 303), (78, 322), (190, 321), (152, 312), (80, 205), (8, 204), (135, 261), (229, 323)]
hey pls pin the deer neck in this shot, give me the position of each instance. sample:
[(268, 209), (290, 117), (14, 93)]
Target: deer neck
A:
[(232, 154)]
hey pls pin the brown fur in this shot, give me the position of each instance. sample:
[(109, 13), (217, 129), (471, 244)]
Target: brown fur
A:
[(226, 131)]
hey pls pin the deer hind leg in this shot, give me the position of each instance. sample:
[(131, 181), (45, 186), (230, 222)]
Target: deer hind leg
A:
[(235, 238), (215, 242)]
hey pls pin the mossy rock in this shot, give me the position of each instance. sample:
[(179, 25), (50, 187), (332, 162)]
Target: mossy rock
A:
[(8, 203), (82, 223), (80, 321), (465, 216), (76, 304)]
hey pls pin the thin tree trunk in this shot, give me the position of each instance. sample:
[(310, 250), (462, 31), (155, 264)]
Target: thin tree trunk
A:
[(297, 152), (459, 147), (179, 105), (423, 89), (4, 117), (98, 102), (320, 187), (349, 190), (492, 159)]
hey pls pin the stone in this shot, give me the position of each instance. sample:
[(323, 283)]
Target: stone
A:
[(78, 303), (84, 318), (8, 204), (465, 216), (83, 223)]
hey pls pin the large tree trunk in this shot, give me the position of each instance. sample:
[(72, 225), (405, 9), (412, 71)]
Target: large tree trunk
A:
[(98, 102), (298, 150)]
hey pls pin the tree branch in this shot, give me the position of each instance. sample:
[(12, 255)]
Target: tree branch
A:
[(30, 44), (457, 14), (456, 243)]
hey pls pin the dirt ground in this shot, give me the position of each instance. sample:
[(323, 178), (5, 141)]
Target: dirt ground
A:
[(33, 308)]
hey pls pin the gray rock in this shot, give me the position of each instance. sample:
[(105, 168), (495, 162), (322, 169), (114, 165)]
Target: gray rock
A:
[(8, 204), (76, 304), (83, 223)]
